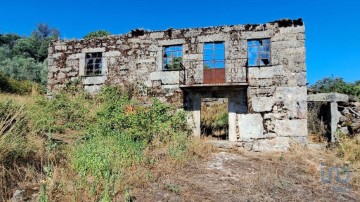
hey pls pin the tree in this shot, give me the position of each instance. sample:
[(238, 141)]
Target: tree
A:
[(43, 35), (26, 47), (36, 45), (338, 85), (8, 40), (99, 33), (24, 58), (4, 53), (22, 68)]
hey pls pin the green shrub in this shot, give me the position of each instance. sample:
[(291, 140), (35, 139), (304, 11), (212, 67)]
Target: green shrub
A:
[(122, 115), (99, 33), (64, 111), (10, 85), (103, 156), (25, 68), (122, 131)]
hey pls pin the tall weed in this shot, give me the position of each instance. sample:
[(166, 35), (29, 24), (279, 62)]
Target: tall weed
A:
[(122, 132)]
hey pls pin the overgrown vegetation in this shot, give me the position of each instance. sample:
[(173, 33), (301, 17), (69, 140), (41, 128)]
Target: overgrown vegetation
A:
[(99, 33), (21, 152), (10, 85), (349, 148), (338, 85), (214, 119), (317, 126), (13, 130), (122, 131), (116, 142)]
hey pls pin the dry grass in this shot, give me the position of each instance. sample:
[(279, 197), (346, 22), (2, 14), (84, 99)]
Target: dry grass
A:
[(233, 175), (66, 185), (214, 118), (316, 126), (293, 175), (20, 99), (349, 152)]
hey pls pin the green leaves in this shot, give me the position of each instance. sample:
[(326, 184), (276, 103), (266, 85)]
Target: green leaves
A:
[(122, 130), (99, 33), (338, 85), (21, 68), (24, 58), (62, 112)]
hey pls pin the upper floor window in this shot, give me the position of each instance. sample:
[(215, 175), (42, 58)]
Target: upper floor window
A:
[(214, 55), (259, 52), (93, 64), (172, 57)]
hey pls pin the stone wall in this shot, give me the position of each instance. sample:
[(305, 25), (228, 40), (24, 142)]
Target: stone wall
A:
[(274, 95)]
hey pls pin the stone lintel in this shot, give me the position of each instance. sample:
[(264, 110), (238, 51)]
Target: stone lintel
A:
[(328, 97)]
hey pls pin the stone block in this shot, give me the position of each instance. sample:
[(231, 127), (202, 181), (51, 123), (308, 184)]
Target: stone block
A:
[(212, 37), (112, 54), (265, 72), (258, 35), (94, 80), (92, 50), (250, 126), (292, 30), (297, 79), (328, 97), (263, 91), (157, 35), (171, 42), (291, 128), (262, 104), (274, 144), (166, 77), (294, 101)]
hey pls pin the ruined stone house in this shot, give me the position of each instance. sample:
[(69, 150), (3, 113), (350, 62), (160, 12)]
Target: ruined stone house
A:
[(259, 68)]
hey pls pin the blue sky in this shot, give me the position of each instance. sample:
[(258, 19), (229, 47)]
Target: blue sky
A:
[(332, 27)]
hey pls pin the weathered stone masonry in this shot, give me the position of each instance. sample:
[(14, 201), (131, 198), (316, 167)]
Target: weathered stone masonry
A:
[(267, 103)]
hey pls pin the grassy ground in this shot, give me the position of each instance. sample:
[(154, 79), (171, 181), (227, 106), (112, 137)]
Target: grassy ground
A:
[(247, 176), (111, 148)]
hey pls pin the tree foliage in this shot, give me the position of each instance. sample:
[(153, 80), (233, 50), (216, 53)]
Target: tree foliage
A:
[(8, 40), (36, 45), (99, 33), (25, 68), (24, 58), (338, 85)]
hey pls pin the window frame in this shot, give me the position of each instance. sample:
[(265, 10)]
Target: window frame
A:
[(214, 60), (93, 65), (247, 49), (172, 59)]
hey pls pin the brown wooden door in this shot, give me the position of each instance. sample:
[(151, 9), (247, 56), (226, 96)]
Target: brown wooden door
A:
[(214, 75)]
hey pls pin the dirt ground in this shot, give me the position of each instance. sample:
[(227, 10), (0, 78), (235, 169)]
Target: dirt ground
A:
[(247, 176)]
